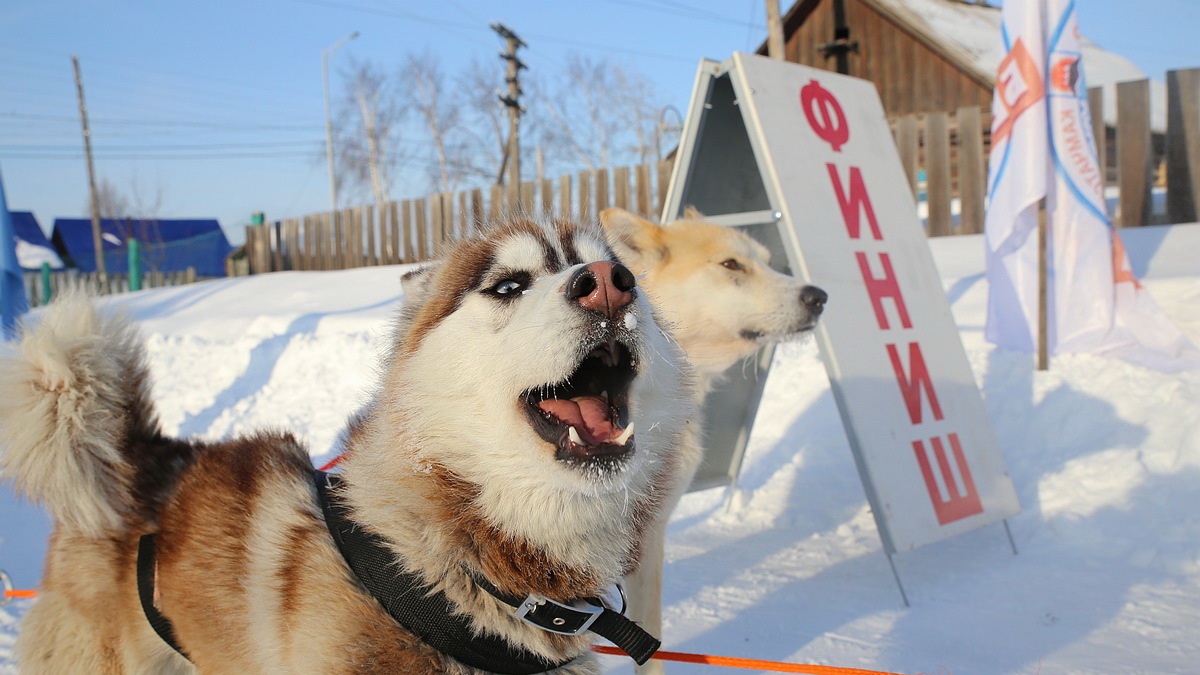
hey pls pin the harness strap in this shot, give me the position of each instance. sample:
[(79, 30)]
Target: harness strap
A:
[(405, 596), (430, 614), (145, 583), (557, 617)]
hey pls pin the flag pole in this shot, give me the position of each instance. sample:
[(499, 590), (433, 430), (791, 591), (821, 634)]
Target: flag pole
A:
[(1043, 356)]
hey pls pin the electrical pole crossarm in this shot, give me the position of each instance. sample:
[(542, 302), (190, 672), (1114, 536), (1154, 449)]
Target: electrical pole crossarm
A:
[(511, 100)]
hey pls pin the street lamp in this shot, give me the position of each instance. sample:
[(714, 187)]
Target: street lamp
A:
[(329, 122)]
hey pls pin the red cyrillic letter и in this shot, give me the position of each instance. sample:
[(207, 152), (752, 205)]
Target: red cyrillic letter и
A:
[(917, 380), (858, 200)]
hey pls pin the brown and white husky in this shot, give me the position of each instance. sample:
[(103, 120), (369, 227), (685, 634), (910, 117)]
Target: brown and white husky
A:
[(527, 429), (715, 287)]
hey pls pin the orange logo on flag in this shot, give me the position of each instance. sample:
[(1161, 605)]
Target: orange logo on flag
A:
[(1064, 75), (1018, 86)]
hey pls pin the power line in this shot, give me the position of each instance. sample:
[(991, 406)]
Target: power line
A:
[(79, 155), (118, 121), (21, 147), (685, 11)]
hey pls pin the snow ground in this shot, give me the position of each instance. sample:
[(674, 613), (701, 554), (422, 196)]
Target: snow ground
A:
[(1105, 457)]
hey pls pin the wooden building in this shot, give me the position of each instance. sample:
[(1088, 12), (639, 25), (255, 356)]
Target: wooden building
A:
[(898, 45)]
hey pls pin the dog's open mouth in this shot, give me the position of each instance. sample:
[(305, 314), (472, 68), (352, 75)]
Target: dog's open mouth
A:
[(586, 416)]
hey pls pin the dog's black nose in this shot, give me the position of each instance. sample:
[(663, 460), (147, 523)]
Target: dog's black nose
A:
[(602, 286), (813, 298)]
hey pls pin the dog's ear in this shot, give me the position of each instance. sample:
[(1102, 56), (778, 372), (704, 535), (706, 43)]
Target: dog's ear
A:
[(637, 242), (416, 285), (692, 213)]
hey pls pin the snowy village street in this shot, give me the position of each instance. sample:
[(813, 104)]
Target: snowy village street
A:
[(831, 195), (1105, 457)]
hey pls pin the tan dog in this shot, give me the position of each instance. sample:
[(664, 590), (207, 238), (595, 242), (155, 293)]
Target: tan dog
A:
[(716, 289), (526, 431)]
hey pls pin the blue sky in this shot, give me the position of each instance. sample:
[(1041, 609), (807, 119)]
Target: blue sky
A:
[(218, 105)]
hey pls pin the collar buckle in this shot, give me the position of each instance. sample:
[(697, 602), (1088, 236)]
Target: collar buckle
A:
[(556, 617)]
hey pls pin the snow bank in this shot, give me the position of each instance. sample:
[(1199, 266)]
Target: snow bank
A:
[(1105, 457)]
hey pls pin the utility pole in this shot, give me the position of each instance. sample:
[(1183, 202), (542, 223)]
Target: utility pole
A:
[(842, 45), (774, 31), (97, 242), (512, 155)]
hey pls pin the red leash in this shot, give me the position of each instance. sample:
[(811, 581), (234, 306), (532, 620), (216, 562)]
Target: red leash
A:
[(749, 664), (333, 462)]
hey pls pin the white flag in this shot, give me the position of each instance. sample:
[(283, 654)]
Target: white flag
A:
[(1095, 304)]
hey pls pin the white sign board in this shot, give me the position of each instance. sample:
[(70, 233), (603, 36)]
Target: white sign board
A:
[(809, 151)]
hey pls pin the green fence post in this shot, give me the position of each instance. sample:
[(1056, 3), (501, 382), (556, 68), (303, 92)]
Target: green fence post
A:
[(45, 283), (135, 265)]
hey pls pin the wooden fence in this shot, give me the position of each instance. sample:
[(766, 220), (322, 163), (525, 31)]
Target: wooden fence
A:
[(40, 289), (951, 151), (412, 230), (948, 149)]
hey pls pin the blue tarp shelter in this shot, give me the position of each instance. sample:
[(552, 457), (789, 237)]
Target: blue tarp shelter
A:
[(168, 245), (12, 288), (33, 248)]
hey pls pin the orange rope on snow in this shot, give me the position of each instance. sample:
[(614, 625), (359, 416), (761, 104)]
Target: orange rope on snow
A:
[(749, 664), (332, 463), (683, 657)]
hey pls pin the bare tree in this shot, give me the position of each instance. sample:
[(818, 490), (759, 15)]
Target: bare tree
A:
[(370, 116), (479, 88), (593, 114), (599, 114), (110, 201), (141, 205), (634, 97), (442, 119)]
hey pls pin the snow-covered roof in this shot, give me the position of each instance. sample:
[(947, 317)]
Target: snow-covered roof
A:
[(971, 32), (969, 35)]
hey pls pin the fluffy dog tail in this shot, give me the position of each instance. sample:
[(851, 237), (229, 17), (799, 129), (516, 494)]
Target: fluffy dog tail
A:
[(71, 398)]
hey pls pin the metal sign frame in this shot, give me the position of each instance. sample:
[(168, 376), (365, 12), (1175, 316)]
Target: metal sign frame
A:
[(758, 153)]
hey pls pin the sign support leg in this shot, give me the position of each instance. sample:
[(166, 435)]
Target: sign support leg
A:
[(1008, 531), (896, 576)]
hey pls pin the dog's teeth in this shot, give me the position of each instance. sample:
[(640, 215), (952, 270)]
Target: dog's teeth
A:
[(574, 436), (624, 437), (604, 395), (630, 321)]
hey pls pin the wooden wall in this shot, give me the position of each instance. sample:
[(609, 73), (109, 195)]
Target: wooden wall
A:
[(911, 76)]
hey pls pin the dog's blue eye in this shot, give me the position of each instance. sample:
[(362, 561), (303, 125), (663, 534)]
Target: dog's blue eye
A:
[(508, 287), (511, 285)]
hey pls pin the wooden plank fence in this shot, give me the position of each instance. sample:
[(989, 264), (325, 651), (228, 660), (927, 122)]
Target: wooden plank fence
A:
[(943, 154), (950, 153), (61, 280), (414, 230)]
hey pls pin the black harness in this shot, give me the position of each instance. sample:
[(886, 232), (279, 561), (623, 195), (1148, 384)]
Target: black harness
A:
[(431, 615)]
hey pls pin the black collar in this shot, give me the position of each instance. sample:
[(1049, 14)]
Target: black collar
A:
[(431, 615)]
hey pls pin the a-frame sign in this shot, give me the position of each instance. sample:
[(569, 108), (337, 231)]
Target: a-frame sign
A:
[(804, 159)]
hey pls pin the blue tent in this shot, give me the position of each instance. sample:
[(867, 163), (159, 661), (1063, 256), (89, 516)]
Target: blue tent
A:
[(168, 245), (33, 248), (12, 288)]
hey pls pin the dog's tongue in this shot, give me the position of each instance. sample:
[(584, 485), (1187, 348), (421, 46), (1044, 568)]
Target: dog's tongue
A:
[(588, 414)]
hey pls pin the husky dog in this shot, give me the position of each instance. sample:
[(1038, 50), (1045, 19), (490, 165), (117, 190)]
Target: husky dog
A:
[(526, 431), (715, 287)]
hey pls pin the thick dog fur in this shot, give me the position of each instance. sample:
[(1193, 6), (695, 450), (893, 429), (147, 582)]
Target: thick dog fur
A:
[(716, 288), (445, 465)]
